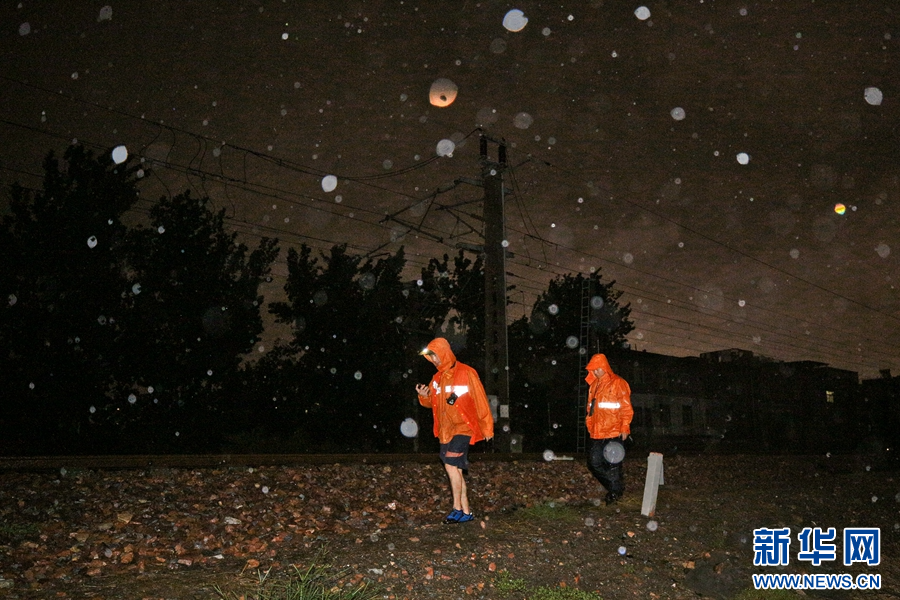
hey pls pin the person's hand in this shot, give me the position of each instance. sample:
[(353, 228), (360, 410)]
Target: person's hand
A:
[(423, 390), (623, 436)]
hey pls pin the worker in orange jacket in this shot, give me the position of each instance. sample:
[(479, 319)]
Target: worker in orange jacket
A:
[(608, 419), (462, 417)]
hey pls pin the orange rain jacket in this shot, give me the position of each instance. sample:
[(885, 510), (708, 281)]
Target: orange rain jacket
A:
[(609, 408), (470, 414)]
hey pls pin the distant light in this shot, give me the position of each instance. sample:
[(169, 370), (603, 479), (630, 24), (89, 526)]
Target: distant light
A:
[(442, 93), (642, 13), (515, 20), (840, 208)]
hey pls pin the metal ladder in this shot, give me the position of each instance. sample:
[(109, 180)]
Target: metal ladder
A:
[(584, 355)]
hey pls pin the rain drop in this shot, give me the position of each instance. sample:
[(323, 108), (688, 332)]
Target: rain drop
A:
[(873, 96), (883, 251), (357, 375), (588, 522), (132, 398), (515, 20), (161, 229), (553, 309), (622, 550), (572, 341), (25, 28), (329, 183), (642, 13), (678, 113), (409, 428), (445, 147), (92, 241), (523, 120), (119, 154), (12, 299), (743, 158), (652, 525), (136, 289)]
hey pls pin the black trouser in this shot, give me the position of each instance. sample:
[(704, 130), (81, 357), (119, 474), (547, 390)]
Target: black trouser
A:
[(608, 474)]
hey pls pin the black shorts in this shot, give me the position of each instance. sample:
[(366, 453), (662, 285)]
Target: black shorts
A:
[(456, 452)]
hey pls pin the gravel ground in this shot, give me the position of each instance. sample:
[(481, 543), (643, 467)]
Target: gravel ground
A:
[(178, 533)]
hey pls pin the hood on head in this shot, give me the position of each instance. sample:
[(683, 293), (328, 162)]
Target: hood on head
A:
[(598, 361), (441, 348)]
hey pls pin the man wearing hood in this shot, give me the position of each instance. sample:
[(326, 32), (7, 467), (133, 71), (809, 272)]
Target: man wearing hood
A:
[(462, 416), (608, 420)]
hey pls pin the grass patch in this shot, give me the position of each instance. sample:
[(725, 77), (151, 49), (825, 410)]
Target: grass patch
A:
[(549, 511), (18, 532), (508, 587), (320, 581)]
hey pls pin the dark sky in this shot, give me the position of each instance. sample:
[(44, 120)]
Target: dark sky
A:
[(695, 156)]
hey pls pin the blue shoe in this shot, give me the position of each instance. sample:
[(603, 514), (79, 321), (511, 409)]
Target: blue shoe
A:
[(454, 516), (465, 517)]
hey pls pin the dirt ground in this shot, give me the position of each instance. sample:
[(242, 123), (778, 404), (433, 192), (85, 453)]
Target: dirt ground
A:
[(179, 533)]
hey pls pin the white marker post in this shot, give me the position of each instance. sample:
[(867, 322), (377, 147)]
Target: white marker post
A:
[(651, 486)]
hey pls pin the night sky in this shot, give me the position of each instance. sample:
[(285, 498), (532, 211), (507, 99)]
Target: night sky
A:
[(696, 155)]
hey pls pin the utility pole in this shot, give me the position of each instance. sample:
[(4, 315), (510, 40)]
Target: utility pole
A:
[(496, 348)]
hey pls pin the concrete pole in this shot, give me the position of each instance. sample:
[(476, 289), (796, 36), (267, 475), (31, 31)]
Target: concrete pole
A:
[(495, 344)]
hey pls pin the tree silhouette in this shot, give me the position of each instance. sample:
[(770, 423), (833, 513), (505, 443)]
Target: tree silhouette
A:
[(114, 339), (63, 278), (350, 350), (193, 312), (458, 291)]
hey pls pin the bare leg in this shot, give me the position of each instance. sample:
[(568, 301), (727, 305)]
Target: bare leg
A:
[(458, 487)]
